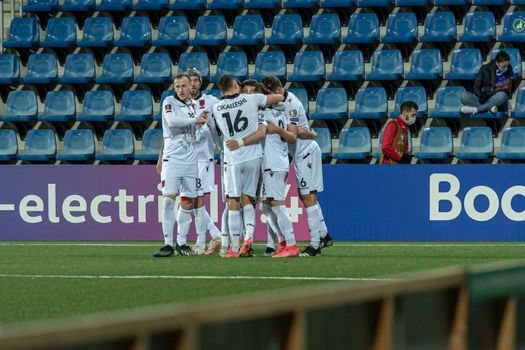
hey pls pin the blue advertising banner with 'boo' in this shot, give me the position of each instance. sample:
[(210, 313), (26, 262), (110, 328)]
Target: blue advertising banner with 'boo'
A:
[(425, 202)]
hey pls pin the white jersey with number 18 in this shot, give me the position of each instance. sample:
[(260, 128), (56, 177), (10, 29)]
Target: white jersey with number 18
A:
[(237, 117)]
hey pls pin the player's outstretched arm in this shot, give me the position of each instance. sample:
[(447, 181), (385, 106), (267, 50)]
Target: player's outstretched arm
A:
[(248, 140), (273, 98), (305, 133), (289, 135), (159, 161)]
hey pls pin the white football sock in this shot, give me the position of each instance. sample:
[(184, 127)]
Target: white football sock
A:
[(200, 226), (271, 237), (183, 225), (234, 222), (210, 225), (168, 221), (272, 223), (313, 224), (225, 236), (248, 214), (285, 223), (322, 224)]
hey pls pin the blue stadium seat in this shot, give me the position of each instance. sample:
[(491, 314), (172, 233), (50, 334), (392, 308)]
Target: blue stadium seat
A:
[(213, 92), (450, 2), (60, 32), (465, 64), (173, 31), (98, 32), (517, 2), (117, 145), (137, 106), (166, 93), (287, 29), (407, 3), (370, 103), (425, 64), (21, 106), (348, 65), (439, 27), (448, 102), (489, 2), (293, 4), (41, 69), (363, 28), (79, 145), (40, 6), (188, 5), (151, 144), (79, 69), (115, 5), (9, 69), (135, 32), (308, 66), (150, 5), (197, 60), (234, 63), (225, 4), (23, 33), (415, 94), (247, 30), (373, 3), (515, 59), (210, 31), (476, 143), (60, 106), (325, 28), (262, 4), (155, 68), (331, 103), (40, 145), (513, 27), (99, 106), (8, 145), (77, 5), (436, 143), (302, 95), (324, 139), (519, 107), (401, 27), (117, 68), (479, 26), (386, 65), (270, 63), (336, 3), (354, 143), (512, 143)]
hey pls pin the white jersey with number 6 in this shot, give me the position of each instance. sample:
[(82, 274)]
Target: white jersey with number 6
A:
[(237, 117)]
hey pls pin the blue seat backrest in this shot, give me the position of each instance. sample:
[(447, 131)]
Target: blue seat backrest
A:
[(514, 24), (248, 27), (513, 139), (197, 60), (118, 141), (436, 139), (415, 94), (136, 28), (79, 141), (287, 26), (174, 27), (477, 139), (440, 24), (324, 139), (99, 102), (355, 139), (79, 65), (42, 65), (332, 100), (61, 29), (270, 63), (156, 64), (448, 98), (480, 23), (309, 62), (137, 102), (426, 61), (8, 142), (152, 141), (325, 24), (117, 65), (234, 63), (60, 102), (401, 24), (9, 66), (98, 29), (42, 141), (363, 25), (387, 61), (371, 99), (466, 60), (22, 103), (24, 30), (211, 27), (302, 95), (349, 62)]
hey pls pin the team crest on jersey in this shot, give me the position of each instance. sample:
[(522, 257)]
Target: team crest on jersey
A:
[(293, 113), (309, 165), (167, 107)]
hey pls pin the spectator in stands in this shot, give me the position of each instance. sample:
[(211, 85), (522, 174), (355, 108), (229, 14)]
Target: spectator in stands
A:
[(394, 147), (492, 87)]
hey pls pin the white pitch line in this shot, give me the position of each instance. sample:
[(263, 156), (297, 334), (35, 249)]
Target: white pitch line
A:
[(290, 278), (371, 245)]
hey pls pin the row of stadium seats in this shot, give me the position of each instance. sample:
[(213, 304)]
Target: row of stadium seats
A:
[(436, 143), (287, 29), (309, 66), (162, 5)]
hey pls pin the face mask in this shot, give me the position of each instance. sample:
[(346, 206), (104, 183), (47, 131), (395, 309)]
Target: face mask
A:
[(502, 69), (410, 121)]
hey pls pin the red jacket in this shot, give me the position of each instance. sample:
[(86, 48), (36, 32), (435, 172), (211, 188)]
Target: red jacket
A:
[(388, 140)]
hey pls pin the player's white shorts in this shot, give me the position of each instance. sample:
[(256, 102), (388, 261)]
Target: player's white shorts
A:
[(242, 178), (206, 180), (179, 178), (309, 170), (274, 185)]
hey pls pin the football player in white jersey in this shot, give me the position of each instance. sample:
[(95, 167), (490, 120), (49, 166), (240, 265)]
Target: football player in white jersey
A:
[(308, 168), (177, 165), (237, 118), (281, 131), (206, 180)]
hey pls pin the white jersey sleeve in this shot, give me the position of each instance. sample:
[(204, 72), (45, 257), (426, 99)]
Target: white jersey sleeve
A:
[(204, 136), (178, 124)]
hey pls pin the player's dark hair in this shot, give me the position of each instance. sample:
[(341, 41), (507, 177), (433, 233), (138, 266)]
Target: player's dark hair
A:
[(225, 82), (502, 56), (181, 75), (193, 72), (250, 82), (271, 83), (407, 106)]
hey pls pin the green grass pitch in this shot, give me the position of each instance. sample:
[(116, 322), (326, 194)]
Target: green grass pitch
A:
[(50, 280)]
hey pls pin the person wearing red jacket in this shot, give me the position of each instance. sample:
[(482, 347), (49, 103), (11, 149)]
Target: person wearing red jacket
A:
[(394, 147)]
